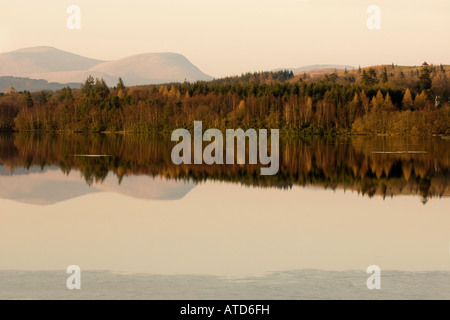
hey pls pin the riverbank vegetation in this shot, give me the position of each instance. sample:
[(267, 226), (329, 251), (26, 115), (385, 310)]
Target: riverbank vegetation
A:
[(378, 100)]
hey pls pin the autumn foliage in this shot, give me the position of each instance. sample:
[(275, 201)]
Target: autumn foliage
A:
[(341, 103)]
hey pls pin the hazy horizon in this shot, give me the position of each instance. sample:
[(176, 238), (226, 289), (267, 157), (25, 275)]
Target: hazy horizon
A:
[(227, 38)]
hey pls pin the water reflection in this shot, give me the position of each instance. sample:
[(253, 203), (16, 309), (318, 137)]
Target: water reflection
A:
[(219, 239), (382, 166), (49, 186)]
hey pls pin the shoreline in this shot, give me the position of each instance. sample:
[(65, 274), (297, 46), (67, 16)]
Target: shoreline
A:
[(282, 133)]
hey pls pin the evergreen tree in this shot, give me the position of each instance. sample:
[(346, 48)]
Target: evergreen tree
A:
[(425, 77), (373, 75), (384, 76), (101, 90), (120, 85), (88, 87), (65, 94), (369, 78), (28, 99), (42, 98)]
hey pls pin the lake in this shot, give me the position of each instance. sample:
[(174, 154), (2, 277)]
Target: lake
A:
[(141, 227)]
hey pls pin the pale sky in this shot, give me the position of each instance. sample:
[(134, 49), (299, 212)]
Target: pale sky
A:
[(234, 36)]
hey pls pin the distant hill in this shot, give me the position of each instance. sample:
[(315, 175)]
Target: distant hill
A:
[(152, 68), (323, 66), (25, 62), (316, 67), (54, 65), (22, 84)]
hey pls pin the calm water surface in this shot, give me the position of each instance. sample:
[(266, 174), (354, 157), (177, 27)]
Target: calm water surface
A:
[(140, 227)]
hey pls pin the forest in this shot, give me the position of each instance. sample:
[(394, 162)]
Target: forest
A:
[(380, 100)]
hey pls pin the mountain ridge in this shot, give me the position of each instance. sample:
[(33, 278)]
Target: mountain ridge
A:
[(32, 85), (49, 68), (59, 66)]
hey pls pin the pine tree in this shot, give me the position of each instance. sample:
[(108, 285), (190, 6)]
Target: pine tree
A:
[(88, 87), (369, 78), (120, 85), (66, 94), (373, 75), (384, 76), (28, 99), (42, 98), (365, 78), (425, 77)]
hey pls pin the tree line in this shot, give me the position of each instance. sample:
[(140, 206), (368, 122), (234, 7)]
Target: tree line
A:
[(383, 100)]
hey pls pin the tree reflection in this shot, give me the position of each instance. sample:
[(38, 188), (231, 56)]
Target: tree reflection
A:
[(372, 166)]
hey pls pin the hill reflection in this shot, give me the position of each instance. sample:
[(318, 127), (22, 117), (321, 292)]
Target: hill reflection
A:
[(382, 166)]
